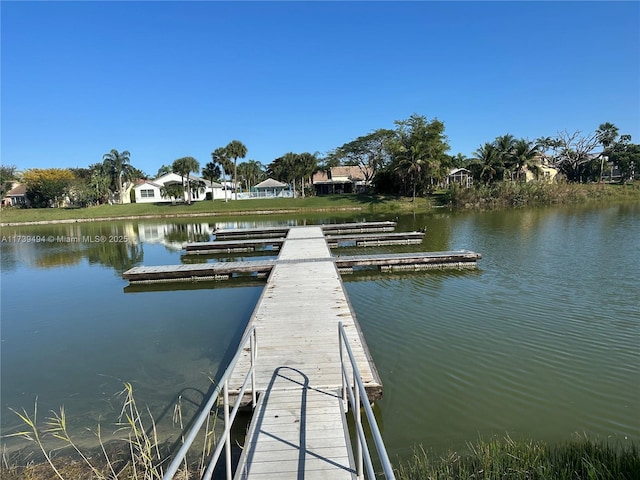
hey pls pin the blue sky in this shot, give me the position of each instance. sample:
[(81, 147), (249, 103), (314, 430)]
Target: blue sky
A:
[(171, 79)]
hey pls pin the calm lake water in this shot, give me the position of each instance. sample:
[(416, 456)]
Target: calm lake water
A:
[(542, 341)]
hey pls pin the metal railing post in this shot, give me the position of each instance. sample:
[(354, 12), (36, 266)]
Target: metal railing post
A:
[(358, 414), (345, 400), (356, 391), (222, 387), (252, 343), (227, 427)]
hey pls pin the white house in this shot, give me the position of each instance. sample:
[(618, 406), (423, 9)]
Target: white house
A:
[(459, 176), (148, 191)]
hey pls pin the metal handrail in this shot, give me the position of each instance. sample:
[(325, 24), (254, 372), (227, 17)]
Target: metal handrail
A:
[(353, 391), (224, 440)]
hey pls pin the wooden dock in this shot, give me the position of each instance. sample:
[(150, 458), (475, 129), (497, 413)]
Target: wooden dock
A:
[(197, 271), (334, 228), (459, 259), (229, 246), (299, 426), (409, 261), (376, 239), (273, 244), (297, 432)]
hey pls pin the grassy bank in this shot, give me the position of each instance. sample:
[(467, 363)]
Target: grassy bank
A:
[(511, 194), (580, 459), (207, 208), (499, 459), (503, 195)]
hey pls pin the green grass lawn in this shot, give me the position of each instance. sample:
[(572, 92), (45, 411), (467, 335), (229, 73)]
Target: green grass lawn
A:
[(218, 207)]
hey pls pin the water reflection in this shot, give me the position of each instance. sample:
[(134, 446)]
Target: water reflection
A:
[(114, 245), (541, 341)]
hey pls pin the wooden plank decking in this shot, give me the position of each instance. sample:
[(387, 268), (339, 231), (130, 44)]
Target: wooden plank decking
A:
[(223, 270), (334, 228), (262, 244), (196, 271), (297, 432), (298, 364), (222, 246)]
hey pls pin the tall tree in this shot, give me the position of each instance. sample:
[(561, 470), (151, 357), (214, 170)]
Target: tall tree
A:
[(486, 164), (607, 133), (47, 187), (369, 152), (411, 164), (163, 170), (285, 169), (185, 166), (252, 171), (221, 157), (8, 174), (572, 151), (459, 161), (118, 164), (626, 156), (211, 172), (524, 155), (419, 151), (98, 183), (236, 149), (307, 165)]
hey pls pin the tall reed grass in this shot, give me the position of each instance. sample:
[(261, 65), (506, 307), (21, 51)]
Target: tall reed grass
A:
[(514, 194), (139, 455), (579, 459)]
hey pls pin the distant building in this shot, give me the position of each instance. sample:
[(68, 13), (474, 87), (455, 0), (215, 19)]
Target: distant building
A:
[(347, 179), (17, 196), (271, 188), (149, 191), (546, 173), (458, 176)]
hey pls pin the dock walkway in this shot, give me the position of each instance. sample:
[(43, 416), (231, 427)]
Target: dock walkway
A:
[(296, 323)]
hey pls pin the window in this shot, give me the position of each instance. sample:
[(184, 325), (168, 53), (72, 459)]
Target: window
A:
[(147, 193)]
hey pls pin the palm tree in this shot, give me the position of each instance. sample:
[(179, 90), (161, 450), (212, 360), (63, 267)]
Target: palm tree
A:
[(236, 149), (99, 182), (412, 164), (184, 166), (607, 133), (308, 166), (119, 168), (284, 169), (211, 172), (252, 171), (221, 157), (487, 163), (504, 146), (524, 155)]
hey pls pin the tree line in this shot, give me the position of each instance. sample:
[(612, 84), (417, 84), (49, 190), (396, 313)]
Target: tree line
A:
[(409, 160)]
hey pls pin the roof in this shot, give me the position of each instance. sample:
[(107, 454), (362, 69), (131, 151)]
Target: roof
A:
[(349, 173), (353, 172), (270, 183), (17, 191), (458, 170), (321, 176), (174, 178), (148, 182)]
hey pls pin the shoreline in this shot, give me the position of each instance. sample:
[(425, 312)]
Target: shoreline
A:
[(178, 215)]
